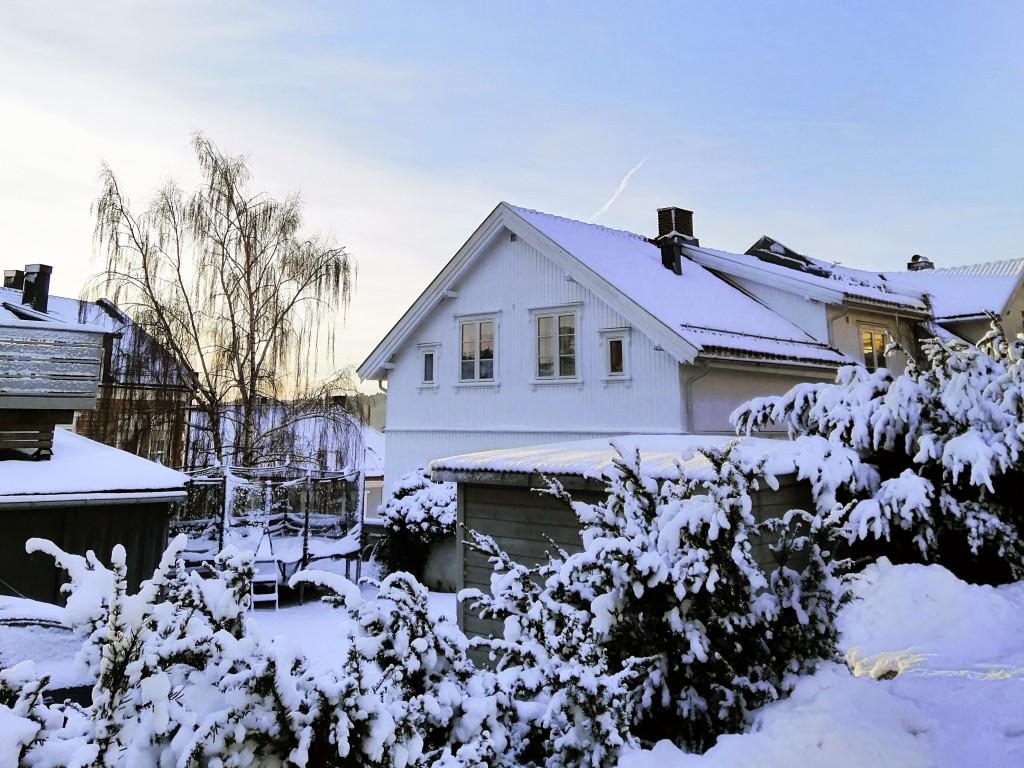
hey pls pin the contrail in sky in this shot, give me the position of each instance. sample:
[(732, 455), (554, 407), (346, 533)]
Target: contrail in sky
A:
[(619, 191)]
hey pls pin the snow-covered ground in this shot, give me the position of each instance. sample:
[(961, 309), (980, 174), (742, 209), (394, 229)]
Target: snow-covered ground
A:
[(935, 676), (313, 626), (951, 661)]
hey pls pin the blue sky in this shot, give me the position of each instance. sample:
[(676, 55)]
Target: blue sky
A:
[(857, 132)]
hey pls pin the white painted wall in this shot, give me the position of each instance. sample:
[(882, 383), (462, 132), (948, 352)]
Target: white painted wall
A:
[(509, 279)]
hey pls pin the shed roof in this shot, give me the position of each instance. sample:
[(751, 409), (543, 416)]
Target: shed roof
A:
[(84, 469), (594, 459)]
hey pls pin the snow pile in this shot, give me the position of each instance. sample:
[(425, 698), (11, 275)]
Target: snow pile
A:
[(936, 679)]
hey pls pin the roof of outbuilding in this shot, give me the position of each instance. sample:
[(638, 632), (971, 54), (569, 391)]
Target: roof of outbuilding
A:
[(660, 455), (81, 468)]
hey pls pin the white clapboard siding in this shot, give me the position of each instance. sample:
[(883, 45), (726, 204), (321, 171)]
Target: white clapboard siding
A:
[(509, 279)]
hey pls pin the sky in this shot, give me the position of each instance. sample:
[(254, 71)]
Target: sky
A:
[(860, 133)]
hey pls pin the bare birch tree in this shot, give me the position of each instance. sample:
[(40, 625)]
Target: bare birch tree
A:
[(224, 279)]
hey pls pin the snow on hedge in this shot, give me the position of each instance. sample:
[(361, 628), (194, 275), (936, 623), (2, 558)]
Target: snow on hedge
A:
[(924, 466)]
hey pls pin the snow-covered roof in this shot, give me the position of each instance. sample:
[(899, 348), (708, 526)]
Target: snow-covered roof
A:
[(81, 468), (969, 290), (827, 282), (373, 452), (137, 358), (593, 458), (692, 315), (708, 313)]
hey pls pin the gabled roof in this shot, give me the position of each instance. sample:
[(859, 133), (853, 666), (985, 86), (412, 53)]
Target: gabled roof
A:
[(771, 263), (966, 291), (695, 314)]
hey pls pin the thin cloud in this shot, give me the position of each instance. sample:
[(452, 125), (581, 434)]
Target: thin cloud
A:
[(621, 188)]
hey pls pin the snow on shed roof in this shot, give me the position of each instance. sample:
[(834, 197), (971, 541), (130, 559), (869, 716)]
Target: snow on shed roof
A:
[(593, 459), (80, 468), (704, 310)]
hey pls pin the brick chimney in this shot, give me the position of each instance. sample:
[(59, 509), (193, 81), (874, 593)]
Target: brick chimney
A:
[(36, 288), (918, 263), (14, 278), (675, 229)]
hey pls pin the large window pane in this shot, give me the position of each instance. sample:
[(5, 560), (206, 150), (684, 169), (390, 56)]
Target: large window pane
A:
[(566, 365)]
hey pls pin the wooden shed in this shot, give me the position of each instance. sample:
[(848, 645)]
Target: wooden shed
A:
[(496, 496), (56, 485)]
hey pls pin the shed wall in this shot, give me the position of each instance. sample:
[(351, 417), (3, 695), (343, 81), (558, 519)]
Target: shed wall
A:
[(521, 522), (140, 528)]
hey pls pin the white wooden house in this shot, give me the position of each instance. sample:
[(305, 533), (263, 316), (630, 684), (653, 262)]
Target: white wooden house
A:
[(542, 329)]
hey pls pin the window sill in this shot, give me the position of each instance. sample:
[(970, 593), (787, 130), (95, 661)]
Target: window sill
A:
[(427, 387), (477, 384), (577, 383), (612, 380)]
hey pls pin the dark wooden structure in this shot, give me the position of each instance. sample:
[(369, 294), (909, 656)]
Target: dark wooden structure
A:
[(524, 523)]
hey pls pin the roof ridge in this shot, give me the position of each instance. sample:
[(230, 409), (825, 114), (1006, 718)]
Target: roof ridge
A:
[(610, 230)]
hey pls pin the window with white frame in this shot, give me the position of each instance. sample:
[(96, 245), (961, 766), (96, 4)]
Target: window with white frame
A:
[(615, 342), (428, 365), (872, 342), (477, 342), (556, 344)]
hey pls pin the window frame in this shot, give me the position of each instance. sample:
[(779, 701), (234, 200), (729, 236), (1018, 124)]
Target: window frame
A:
[(555, 313), (429, 348), (476, 319), (622, 335), (880, 358)]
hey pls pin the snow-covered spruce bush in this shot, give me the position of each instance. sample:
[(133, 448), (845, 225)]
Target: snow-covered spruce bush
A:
[(923, 467), (664, 625), (418, 514)]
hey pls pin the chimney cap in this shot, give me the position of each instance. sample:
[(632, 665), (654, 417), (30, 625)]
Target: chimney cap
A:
[(918, 262), (676, 221)]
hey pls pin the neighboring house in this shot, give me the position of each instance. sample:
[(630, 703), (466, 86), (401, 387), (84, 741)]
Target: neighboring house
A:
[(325, 436), (143, 399), (542, 329), (962, 297), (56, 485), (373, 474)]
